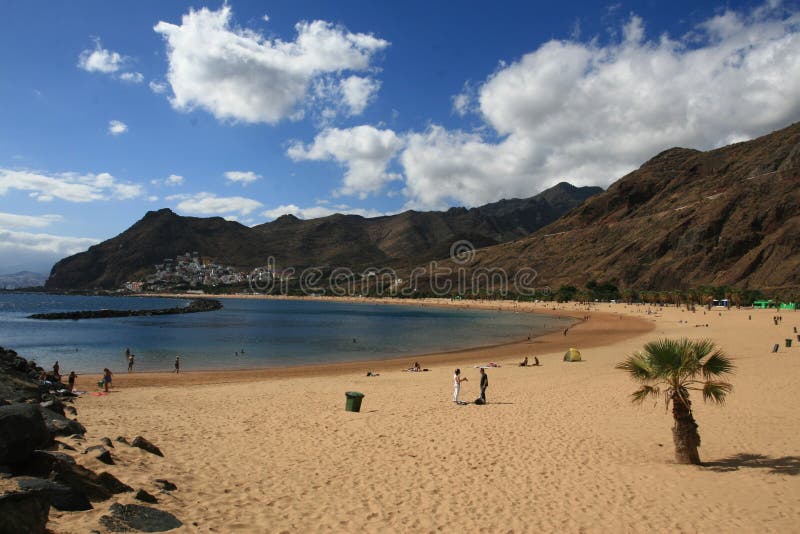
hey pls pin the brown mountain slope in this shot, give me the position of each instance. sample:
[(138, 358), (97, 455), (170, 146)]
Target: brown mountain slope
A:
[(338, 240), (729, 216)]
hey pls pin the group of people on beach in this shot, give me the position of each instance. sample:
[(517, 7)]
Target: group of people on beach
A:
[(458, 379)]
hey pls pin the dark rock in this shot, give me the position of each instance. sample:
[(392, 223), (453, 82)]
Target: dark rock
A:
[(126, 517), (43, 463), (54, 405), (112, 483), (121, 439), (165, 484), (66, 446), (106, 442), (24, 511), (22, 430), (103, 454), (143, 444), (70, 410), (59, 425), (62, 497), (195, 306), (105, 457), (142, 495), (83, 480)]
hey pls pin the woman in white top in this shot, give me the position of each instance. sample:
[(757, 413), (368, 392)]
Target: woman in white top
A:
[(457, 379)]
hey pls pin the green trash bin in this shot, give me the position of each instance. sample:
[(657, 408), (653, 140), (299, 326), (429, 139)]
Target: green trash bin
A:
[(788, 342), (353, 401)]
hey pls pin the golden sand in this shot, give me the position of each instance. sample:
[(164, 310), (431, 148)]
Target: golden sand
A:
[(558, 448)]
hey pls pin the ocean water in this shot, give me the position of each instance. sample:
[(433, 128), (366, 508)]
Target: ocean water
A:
[(264, 333)]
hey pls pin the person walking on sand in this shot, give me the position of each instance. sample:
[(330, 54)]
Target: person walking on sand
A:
[(71, 381), (131, 361), (484, 384), (177, 364), (106, 379), (457, 379)]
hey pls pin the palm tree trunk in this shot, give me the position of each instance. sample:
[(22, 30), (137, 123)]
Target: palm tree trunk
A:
[(684, 433)]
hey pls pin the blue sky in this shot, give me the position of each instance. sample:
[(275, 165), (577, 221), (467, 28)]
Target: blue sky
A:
[(248, 110)]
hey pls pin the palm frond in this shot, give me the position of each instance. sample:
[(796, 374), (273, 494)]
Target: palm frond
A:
[(716, 391), (643, 393), (637, 366), (717, 365)]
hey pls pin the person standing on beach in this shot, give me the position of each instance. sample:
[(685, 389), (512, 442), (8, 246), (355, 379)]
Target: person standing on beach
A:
[(484, 384), (106, 379), (56, 369), (131, 360), (457, 379), (71, 381), (177, 364)]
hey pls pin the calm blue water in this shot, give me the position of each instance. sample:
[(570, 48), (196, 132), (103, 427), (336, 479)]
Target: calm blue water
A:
[(270, 332)]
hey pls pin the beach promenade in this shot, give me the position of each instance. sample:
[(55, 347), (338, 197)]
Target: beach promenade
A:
[(558, 447)]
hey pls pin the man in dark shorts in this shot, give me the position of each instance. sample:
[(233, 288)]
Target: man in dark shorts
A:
[(484, 384), (177, 364)]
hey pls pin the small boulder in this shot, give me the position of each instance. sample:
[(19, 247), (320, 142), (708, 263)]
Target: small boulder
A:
[(126, 517), (24, 511), (112, 483), (165, 485), (143, 496), (43, 463), (121, 439), (143, 444), (101, 453), (54, 405), (22, 431), (62, 497), (71, 410), (107, 442), (59, 425)]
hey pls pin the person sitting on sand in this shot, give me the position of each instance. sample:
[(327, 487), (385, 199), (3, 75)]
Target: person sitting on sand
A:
[(524, 363), (535, 361), (417, 367), (106, 379), (457, 379)]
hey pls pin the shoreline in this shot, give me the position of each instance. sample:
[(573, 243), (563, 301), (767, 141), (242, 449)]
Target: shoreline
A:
[(604, 328)]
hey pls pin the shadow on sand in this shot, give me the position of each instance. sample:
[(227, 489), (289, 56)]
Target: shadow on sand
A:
[(785, 465)]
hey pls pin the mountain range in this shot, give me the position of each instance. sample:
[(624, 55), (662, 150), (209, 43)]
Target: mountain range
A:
[(728, 216), (686, 218), (398, 241), (22, 279)]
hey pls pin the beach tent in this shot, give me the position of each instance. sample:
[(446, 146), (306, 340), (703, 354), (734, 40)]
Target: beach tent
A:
[(572, 355), (764, 304), (788, 305)]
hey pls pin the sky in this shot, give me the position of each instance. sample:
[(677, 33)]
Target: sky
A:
[(251, 110)]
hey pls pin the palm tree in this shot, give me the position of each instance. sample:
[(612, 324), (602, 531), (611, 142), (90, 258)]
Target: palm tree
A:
[(672, 368)]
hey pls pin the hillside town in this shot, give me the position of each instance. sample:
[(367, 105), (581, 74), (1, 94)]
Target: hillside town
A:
[(188, 271)]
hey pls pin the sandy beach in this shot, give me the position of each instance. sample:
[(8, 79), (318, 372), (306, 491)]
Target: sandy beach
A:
[(558, 448)]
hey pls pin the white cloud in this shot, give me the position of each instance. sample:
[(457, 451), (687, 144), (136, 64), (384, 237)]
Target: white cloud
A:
[(158, 88), (99, 59), (117, 127), (174, 180), (57, 245), (242, 177), (12, 220), (358, 92), (315, 212), (210, 204), (132, 77), (363, 150), (71, 187), (238, 74), (590, 113)]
